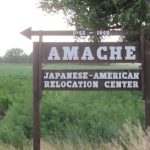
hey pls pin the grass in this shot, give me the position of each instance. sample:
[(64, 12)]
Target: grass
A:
[(91, 66), (131, 138), (70, 119)]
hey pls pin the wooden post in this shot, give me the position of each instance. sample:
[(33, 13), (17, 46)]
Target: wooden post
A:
[(36, 101), (142, 61), (147, 83), (40, 63), (37, 92)]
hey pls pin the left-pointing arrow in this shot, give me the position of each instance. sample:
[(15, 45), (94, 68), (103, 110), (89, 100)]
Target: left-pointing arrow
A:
[(27, 33)]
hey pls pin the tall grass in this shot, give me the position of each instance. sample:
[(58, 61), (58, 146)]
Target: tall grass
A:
[(71, 119), (131, 138)]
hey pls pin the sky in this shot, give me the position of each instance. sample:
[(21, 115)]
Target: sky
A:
[(18, 15)]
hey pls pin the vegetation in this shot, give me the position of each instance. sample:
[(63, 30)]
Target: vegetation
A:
[(72, 116), (131, 138), (101, 15), (104, 14), (68, 117), (16, 55), (74, 119)]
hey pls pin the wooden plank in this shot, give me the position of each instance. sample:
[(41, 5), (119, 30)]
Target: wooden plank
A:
[(91, 32), (142, 60), (36, 99), (147, 70), (107, 80), (91, 52), (147, 83), (40, 63), (28, 33)]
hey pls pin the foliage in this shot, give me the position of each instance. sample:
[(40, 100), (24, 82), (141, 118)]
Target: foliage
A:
[(97, 115), (14, 80), (15, 92), (93, 116), (100, 14), (132, 137), (16, 55)]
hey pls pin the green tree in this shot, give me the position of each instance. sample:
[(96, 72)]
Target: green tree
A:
[(101, 14), (15, 55)]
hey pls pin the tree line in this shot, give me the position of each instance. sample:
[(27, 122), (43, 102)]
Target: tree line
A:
[(16, 55)]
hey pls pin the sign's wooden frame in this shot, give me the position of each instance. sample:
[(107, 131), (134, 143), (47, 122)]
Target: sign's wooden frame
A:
[(40, 53)]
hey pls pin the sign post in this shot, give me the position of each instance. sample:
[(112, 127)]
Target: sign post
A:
[(36, 100), (147, 83), (88, 52)]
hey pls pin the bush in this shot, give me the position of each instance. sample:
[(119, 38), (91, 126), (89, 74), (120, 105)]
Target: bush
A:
[(94, 116)]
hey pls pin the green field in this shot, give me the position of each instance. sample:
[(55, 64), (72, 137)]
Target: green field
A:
[(91, 66), (92, 115)]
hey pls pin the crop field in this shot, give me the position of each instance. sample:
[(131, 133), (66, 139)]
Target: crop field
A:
[(69, 119), (91, 67)]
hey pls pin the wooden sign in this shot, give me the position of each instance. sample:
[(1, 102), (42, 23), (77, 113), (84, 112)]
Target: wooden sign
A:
[(89, 52), (128, 80), (28, 32)]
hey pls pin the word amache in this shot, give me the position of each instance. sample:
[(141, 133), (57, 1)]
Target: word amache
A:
[(74, 52)]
